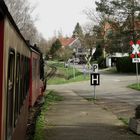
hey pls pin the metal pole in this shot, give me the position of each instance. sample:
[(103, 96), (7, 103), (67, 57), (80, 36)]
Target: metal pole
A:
[(84, 71), (134, 38), (94, 93), (67, 73), (74, 68), (137, 72)]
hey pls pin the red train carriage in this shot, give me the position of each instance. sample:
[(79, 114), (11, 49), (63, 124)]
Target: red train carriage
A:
[(14, 78), (35, 81)]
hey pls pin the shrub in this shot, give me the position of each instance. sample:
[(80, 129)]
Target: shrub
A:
[(125, 65)]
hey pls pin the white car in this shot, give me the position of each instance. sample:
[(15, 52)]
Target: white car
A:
[(70, 60), (74, 60)]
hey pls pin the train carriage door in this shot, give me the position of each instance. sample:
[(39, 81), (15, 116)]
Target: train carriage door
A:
[(10, 95)]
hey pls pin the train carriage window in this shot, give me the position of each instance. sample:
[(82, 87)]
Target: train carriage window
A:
[(17, 89), (10, 95), (28, 81), (27, 75), (21, 80), (33, 68), (24, 78)]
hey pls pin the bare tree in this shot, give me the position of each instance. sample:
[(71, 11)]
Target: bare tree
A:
[(92, 15), (43, 44), (21, 12)]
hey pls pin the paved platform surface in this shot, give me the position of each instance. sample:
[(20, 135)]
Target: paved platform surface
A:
[(75, 118)]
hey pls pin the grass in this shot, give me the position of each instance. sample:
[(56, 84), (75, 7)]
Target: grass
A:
[(50, 98), (66, 75), (60, 80), (111, 70), (135, 86), (91, 99), (124, 120)]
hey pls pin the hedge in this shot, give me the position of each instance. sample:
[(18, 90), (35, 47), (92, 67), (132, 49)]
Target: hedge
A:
[(125, 65)]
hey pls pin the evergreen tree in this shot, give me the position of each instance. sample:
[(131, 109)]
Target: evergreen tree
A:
[(122, 13), (78, 31), (104, 7), (55, 47)]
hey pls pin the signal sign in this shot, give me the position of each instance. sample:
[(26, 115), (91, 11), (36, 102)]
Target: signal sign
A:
[(136, 48), (95, 79), (95, 68), (135, 60), (135, 54)]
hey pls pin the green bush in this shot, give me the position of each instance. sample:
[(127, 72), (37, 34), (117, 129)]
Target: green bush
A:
[(125, 65)]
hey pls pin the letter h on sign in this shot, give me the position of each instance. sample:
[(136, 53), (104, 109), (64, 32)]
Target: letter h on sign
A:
[(95, 79)]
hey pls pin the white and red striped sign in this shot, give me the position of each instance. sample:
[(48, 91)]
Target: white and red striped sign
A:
[(135, 49)]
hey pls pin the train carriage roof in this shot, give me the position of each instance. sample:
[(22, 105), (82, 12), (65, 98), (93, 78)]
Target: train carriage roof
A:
[(35, 49), (3, 13)]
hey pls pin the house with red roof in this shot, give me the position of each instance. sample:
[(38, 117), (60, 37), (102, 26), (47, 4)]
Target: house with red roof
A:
[(75, 45), (67, 42)]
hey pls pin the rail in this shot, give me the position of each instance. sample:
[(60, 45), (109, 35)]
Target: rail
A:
[(50, 74)]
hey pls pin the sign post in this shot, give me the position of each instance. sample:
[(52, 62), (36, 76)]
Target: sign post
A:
[(74, 67), (84, 71), (95, 77), (88, 62), (135, 54)]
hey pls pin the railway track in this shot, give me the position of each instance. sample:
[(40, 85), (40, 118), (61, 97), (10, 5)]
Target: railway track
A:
[(51, 73)]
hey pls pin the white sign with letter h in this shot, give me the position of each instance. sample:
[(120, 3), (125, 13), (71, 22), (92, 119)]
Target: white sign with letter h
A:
[(95, 79)]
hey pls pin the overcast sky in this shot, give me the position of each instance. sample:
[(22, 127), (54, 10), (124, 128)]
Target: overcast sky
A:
[(60, 15)]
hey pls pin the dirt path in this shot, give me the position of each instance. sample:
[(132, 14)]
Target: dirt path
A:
[(77, 119)]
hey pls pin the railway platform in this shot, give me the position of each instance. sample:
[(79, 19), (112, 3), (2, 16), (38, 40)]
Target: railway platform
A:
[(75, 118)]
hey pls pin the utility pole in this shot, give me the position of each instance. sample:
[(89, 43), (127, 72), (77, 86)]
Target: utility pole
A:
[(134, 38)]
